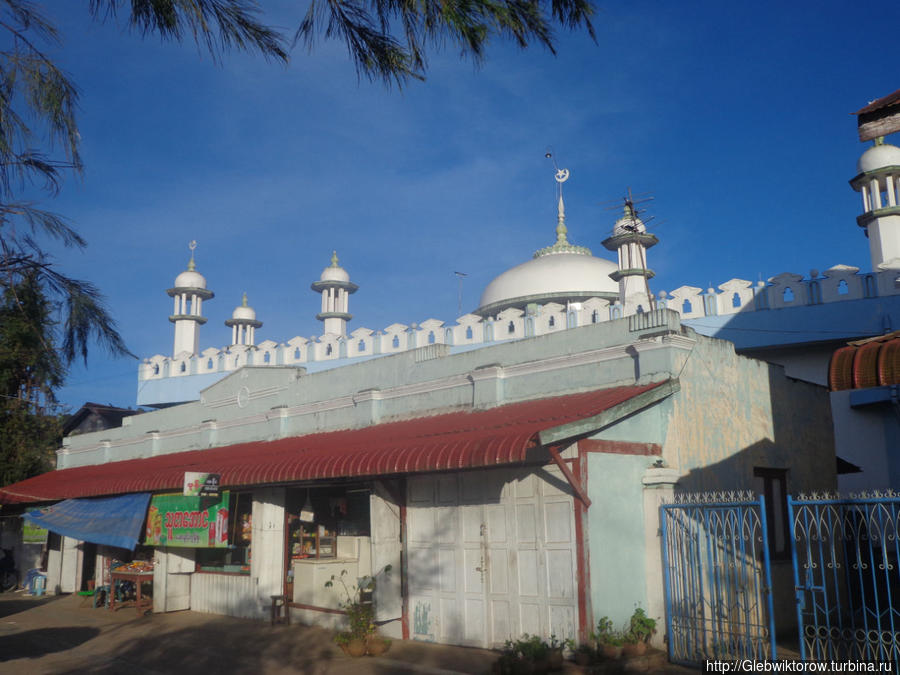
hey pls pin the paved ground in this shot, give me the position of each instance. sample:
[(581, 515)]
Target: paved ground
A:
[(56, 635)]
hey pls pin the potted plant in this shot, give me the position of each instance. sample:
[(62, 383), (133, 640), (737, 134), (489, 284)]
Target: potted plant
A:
[(530, 654), (637, 635), (555, 653), (608, 638), (584, 654), (361, 636)]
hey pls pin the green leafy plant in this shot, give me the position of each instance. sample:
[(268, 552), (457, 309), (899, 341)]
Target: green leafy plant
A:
[(530, 654), (360, 613), (640, 627), (607, 634)]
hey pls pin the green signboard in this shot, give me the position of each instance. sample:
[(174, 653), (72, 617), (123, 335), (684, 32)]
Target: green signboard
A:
[(196, 522)]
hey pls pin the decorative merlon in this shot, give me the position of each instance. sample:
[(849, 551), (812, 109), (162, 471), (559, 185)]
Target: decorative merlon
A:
[(837, 284)]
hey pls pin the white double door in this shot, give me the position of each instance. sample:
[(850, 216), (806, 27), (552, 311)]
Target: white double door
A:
[(491, 555)]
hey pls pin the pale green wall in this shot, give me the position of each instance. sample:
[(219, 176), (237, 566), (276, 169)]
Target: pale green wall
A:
[(616, 534)]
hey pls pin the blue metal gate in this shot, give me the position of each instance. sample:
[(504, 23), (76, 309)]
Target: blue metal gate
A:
[(846, 577), (717, 578)]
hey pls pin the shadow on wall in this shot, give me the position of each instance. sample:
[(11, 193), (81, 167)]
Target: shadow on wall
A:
[(799, 458), (801, 446)]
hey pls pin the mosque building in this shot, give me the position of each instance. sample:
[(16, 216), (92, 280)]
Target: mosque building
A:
[(509, 466)]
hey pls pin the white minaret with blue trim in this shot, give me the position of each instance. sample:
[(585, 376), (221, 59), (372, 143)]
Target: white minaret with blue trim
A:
[(189, 293), (878, 181)]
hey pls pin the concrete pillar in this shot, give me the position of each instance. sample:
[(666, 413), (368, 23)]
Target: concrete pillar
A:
[(865, 199), (891, 195), (876, 194), (659, 488), (487, 386)]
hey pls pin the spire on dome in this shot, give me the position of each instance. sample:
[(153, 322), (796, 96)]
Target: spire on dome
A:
[(562, 244), (334, 259), (244, 300), (192, 245), (561, 229)]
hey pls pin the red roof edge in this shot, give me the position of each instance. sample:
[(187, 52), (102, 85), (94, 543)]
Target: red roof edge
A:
[(450, 441)]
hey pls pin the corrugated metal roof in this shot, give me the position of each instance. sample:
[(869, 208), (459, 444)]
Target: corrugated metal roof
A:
[(456, 440), (878, 104)]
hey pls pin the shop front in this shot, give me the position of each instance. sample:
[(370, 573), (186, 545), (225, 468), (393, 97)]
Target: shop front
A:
[(476, 519)]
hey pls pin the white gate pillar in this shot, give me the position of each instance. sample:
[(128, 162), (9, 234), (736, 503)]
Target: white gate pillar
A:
[(659, 488)]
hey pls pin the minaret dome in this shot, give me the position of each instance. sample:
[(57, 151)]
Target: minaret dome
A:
[(243, 324), (335, 286)]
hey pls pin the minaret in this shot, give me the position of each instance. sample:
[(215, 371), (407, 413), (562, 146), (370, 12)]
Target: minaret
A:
[(189, 293), (631, 239), (335, 287), (878, 181), (243, 324)]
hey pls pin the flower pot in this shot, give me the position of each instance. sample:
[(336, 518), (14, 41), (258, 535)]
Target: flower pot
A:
[(583, 657), (356, 647), (632, 649), (377, 645), (555, 659), (612, 651)]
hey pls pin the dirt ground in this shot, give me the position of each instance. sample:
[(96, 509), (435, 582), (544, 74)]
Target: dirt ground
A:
[(64, 634)]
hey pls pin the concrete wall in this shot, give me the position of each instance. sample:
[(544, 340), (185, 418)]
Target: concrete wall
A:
[(734, 413), (616, 533), (867, 437)]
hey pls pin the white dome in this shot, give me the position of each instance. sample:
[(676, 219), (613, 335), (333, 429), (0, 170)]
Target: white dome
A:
[(243, 312), (190, 279), (334, 274), (878, 157), (552, 278)]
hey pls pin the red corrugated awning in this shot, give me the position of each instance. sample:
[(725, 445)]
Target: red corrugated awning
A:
[(457, 440)]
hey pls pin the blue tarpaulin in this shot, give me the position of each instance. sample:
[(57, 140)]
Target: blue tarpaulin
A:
[(114, 521)]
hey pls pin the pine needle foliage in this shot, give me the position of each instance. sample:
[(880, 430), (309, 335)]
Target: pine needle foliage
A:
[(388, 40)]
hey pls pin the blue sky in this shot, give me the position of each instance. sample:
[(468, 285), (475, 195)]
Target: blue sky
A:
[(734, 116)]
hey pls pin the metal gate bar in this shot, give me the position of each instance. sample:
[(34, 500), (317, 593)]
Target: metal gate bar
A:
[(717, 578), (846, 576)]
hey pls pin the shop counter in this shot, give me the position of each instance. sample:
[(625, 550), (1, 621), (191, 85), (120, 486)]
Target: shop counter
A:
[(311, 574)]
